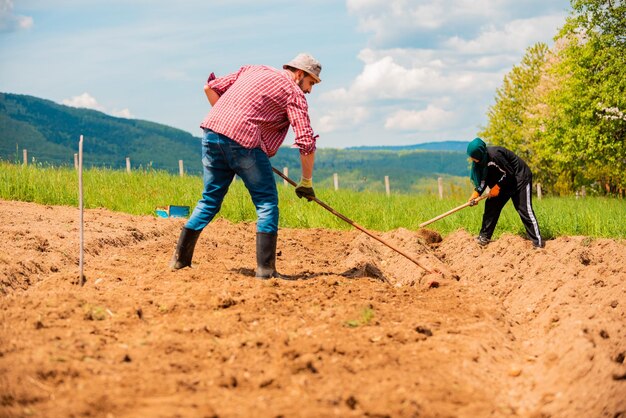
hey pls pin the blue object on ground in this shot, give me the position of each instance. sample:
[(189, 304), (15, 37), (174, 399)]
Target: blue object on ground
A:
[(172, 211)]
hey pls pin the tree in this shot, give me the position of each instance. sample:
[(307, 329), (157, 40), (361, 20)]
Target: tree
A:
[(586, 128), (564, 110), (508, 117)]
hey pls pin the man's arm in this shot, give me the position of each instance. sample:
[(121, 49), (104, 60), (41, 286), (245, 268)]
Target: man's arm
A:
[(305, 187), (215, 87), (307, 162), (298, 115), (211, 95)]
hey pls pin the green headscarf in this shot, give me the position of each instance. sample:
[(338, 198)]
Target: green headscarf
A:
[(478, 149)]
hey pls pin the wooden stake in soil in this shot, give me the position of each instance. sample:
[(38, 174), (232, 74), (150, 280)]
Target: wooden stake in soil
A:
[(81, 278)]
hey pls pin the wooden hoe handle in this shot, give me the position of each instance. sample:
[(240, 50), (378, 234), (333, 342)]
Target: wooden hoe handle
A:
[(450, 212), (354, 224)]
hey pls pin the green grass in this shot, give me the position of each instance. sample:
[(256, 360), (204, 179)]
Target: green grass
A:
[(140, 192), (366, 317)]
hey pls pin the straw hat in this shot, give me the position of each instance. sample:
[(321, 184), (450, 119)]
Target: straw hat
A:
[(307, 63)]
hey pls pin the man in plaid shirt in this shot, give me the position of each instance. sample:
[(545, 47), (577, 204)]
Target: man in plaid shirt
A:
[(252, 111)]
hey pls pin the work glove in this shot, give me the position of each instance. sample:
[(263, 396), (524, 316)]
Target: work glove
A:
[(305, 189), (495, 191), (472, 200)]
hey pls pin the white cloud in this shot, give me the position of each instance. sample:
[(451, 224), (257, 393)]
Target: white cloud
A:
[(392, 20), (124, 113), (87, 101), (399, 21), (429, 119), (9, 21), (432, 68), (393, 83), (514, 36), (341, 117), (385, 18), (419, 75)]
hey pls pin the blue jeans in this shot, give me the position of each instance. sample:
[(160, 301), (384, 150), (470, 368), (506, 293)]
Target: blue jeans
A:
[(222, 158)]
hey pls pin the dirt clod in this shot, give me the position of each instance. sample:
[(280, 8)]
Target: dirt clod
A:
[(423, 330), (429, 236), (351, 402)]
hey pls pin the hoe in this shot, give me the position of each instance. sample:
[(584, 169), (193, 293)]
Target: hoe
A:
[(362, 229)]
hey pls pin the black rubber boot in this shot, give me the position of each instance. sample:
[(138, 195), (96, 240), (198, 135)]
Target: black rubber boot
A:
[(482, 240), (184, 249), (266, 255)]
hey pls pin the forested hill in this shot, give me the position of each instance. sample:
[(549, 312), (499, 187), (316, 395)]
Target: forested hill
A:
[(50, 133), (457, 146)]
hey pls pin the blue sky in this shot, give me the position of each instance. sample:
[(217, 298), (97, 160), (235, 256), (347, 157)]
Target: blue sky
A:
[(394, 72)]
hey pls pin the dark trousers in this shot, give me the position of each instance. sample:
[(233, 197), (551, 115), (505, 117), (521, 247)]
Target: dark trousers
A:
[(222, 158), (522, 200)]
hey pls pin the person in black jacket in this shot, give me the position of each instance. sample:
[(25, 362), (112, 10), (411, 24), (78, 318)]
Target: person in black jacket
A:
[(508, 177)]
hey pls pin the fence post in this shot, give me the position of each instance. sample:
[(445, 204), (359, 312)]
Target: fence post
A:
[(128, 164), (387, 186), (583, 192), (81, 209), (440, 186), (75, 160), (286, 173), (25, 153), (336, 180), (539, 191), (181, 168)]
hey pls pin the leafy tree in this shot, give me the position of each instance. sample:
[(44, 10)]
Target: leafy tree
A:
[(586, 128), (564, 110), (509, 117)]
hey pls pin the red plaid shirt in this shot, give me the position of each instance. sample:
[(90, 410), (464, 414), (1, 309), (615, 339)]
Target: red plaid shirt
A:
[(256, 106)]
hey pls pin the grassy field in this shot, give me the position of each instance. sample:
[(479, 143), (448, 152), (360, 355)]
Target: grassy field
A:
[(140, 193)]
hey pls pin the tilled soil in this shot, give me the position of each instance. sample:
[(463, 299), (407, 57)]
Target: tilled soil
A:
[(359, 331)]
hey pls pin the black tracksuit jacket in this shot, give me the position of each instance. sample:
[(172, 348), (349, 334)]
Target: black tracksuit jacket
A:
[(514, 177), (506, 170)]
